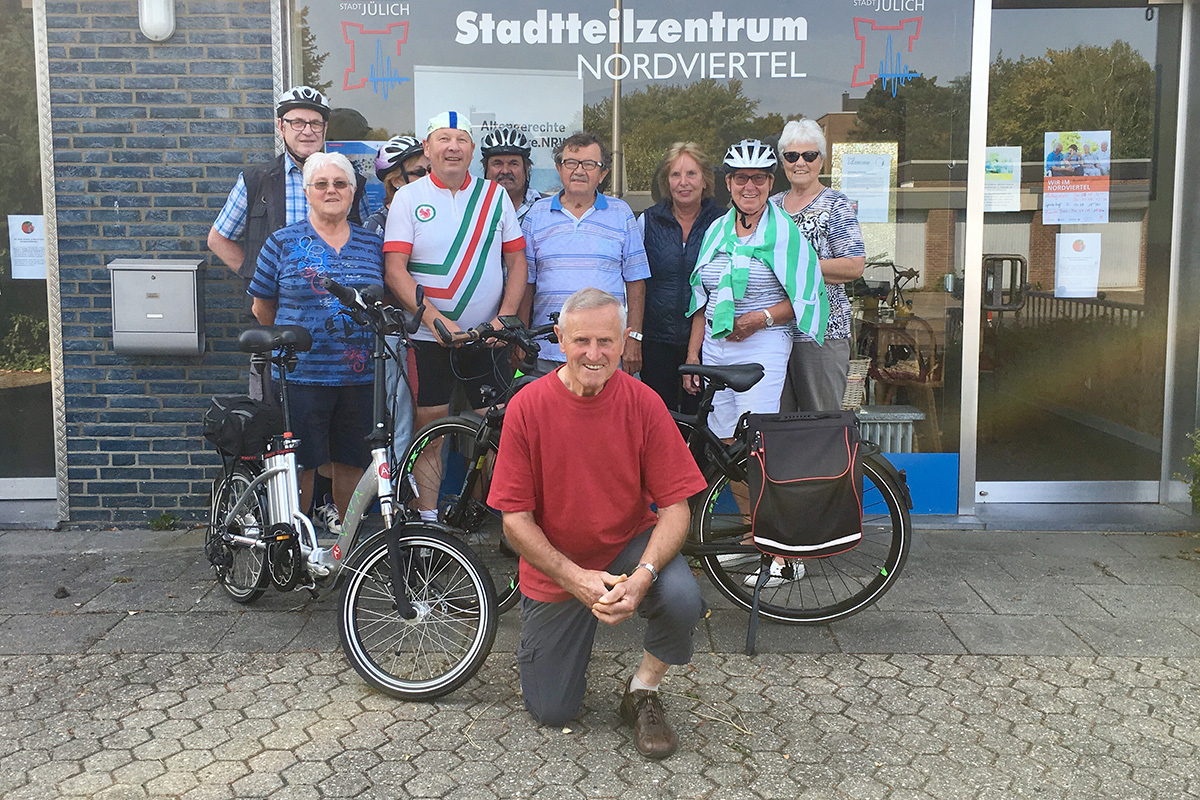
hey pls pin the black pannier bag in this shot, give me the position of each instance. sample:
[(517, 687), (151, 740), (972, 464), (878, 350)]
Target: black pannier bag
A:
[(240, 426), (805, 476)]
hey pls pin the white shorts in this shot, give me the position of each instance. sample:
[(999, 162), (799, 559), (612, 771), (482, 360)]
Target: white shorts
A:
[(769, 348)]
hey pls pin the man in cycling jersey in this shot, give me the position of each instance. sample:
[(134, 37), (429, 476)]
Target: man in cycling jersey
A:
[(584, 453), (457, 236), (506, 161)]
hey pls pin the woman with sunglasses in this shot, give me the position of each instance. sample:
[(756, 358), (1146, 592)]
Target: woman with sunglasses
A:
[(330, 389), (750, 259), (816, 375)]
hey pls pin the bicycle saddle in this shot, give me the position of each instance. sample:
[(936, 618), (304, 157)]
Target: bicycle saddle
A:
[(271, 337), (738, 377)]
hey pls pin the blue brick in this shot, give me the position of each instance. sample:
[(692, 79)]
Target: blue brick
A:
[(70, 82), (217, 157), (80, 53), (123, 417), (138, 157), (223, 37), (61, 96), (82, 473), (107, 126), (175, 112), (131, 53), (162, 126), (161, 68), (128, 445), (124, 460), (161, 97), (96, 142), (107, 83), (179, 200), (107, 36), (65, 22), (110, 500), (150, 142), (126, 172), (120, 112), (100, 186), (74, 112), (150, 82), (216, 68), (252, 83), (115, 22), (124, 474)]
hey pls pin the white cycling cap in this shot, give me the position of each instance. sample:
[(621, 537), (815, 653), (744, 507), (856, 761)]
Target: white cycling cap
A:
[(449, 119)]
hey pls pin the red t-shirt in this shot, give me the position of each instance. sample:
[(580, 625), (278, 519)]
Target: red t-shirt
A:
[(589, 468)]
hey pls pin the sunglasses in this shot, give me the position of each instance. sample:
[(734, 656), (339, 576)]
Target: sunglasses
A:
[(809, 156), (416, 172), (323, 185)]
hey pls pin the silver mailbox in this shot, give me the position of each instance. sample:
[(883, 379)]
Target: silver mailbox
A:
[(157, 306)]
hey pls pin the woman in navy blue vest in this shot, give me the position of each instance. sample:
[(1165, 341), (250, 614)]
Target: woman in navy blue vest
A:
[(673, 230)]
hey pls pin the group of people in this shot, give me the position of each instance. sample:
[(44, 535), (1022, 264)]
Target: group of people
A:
[(1073, 162), (688, 282)]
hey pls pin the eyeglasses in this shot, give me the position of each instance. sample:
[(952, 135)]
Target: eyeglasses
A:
[(298, 125), (572, 164), (791, 156), (323, 185), (416, 172), (759, 179)]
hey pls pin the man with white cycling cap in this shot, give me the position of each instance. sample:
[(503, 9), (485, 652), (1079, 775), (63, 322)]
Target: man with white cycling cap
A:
[(457, 236), (506, 161)]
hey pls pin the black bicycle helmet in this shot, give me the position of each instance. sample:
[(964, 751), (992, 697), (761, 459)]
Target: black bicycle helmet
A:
[(395, 152), (504, 142), (302, 97), (750, 154)]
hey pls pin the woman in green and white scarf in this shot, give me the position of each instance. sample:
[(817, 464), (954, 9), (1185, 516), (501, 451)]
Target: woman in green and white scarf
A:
[(755, 277)]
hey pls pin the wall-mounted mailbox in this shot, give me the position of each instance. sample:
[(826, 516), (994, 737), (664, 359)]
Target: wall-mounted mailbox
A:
[(157, 306)]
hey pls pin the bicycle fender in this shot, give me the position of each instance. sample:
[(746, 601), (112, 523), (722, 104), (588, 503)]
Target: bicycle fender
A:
[(873, 452)]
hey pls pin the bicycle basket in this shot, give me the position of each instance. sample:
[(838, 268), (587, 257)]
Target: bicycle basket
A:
[(805, 476), (240, 426)]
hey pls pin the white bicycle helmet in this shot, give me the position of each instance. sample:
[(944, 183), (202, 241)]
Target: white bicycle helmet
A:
[(395, 152), (301, 97), (750, 154), (504, 142)]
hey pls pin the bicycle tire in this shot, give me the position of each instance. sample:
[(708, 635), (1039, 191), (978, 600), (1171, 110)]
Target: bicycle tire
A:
[(833, 587), (451, 636), (479, 526), (245, 577)]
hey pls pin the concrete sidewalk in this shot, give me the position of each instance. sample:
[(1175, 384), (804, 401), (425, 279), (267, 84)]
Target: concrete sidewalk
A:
[(1002, 664)]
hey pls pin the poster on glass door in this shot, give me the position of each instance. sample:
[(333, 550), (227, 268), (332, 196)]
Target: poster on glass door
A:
[(1002, 179), (1076, 264), (1075, 187)]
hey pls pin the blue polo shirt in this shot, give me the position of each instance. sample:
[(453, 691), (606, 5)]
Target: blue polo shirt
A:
[(604, 249)]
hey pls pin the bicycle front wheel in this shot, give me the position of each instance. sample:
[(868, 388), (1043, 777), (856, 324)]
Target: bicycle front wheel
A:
[(443, 457), (440, 648), (829, 588), (240, 568)]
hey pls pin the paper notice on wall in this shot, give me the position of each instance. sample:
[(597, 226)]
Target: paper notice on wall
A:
[(1076, 172), (1002, 179), (547, 108), (1077, 265), (27, 246), (867, 182)]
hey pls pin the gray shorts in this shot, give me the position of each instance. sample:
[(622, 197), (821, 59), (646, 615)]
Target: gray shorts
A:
[(556, 638), (816, 376)]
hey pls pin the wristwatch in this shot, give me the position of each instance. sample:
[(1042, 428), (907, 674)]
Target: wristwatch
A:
[(646, 565), (770, 319), (635, 335)]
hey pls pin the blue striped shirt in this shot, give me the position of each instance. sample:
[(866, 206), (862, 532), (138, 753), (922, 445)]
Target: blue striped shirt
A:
[(290, 268), (831, 227), (565, 254)]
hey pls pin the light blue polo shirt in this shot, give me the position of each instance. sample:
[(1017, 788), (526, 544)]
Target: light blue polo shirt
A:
[(604, 249)]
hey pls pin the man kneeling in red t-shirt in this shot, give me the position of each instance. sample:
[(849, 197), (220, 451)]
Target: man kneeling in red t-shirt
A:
[(585, 452)]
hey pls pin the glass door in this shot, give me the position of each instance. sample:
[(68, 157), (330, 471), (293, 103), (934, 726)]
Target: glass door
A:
[(1077, 223), (26, 406)]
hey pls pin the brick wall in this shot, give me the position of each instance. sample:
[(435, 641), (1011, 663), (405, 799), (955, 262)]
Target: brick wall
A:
[(148, 139)]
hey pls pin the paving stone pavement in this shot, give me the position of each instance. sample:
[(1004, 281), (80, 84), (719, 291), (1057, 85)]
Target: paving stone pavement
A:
[(1003, 665)]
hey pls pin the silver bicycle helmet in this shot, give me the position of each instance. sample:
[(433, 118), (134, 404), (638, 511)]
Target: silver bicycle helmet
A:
[(750, 154), (395, 152), (504, 142), (301, 97)]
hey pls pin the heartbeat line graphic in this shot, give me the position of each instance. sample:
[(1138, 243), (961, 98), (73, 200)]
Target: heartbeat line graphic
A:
[(894, 72), (892, 69), (382, 72)]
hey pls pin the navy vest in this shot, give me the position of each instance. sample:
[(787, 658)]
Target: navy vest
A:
[(668, 289)]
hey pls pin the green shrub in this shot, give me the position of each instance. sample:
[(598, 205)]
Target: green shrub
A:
[(25, 346)]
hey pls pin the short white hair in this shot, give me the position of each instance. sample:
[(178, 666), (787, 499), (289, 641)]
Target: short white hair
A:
[(591, 297), (318, 160), (802, 131)]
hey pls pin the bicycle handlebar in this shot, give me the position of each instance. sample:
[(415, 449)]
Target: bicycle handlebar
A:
[(366, 307), (522, 337)]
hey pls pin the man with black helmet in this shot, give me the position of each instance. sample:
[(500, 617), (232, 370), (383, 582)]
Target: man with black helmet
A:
[(506, 161), (268, 197)]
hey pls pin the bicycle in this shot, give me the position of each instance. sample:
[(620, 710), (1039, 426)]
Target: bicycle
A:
[(417, 613), (456, 454), (892, 301), (834, 587)]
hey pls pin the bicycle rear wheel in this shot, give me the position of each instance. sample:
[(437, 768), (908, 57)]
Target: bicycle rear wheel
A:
[(447, 641), (240, 568), (440, 456), (832, 587)]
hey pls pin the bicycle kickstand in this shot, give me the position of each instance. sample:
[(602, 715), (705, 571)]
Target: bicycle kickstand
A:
[(764, 575)]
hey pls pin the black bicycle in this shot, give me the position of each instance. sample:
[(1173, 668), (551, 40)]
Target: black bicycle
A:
[(448, 465)]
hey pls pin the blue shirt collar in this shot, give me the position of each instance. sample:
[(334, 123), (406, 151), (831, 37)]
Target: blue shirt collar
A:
[(600, 204)]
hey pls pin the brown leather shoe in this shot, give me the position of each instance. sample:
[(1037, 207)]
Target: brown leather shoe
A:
[(654, 736)]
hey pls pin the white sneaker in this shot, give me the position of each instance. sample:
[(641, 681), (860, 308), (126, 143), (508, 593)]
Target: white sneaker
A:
[(778, 574), (326, 517)]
